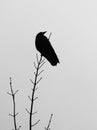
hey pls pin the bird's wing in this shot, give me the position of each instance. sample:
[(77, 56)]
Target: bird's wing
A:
[(48, 52)]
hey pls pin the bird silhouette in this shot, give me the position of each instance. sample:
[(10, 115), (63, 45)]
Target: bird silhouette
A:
[(44, 46)]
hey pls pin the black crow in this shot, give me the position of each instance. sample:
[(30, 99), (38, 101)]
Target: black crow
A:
[(44, 46)]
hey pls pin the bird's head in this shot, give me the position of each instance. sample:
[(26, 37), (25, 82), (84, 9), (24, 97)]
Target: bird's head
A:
[(42, 33)]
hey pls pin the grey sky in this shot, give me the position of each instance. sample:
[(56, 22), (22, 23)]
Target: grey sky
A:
[(68, 90)]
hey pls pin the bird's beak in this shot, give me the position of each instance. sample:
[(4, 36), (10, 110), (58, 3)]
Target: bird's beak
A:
[(44, 32)]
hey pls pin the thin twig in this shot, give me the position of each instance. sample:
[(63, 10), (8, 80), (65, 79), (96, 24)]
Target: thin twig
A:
[(30, 98), (35, 123), (27, 110), (34, 112), (50, 35), (42, 60), (14, 105), (34, 65), (40, 72), (37, 58), (35, 98), (31, 81), (19, 127), (39, 80), (42, 64), (48, 126)]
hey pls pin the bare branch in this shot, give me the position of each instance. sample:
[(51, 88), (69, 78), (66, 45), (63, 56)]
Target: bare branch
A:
[(48, 126), (16, 114), (14, 104), (9, 93), (34, 65), (35, 123), (39, 80), (34, 112), (40, 72), (10, 115), (50, 35), (30, 98), (42, 60), (27, 110), (37, 57), (19, 127), (42, 64), (35, 82), (35, 89), (34, 73), (35, 98), (16, 92), (31, 81)]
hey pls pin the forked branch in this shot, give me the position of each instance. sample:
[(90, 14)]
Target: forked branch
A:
[(14, 105), (40, 63)]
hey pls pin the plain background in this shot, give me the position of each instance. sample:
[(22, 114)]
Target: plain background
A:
[(69, 90)]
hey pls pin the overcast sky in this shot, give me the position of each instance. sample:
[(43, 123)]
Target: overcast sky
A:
[(69, 90)]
